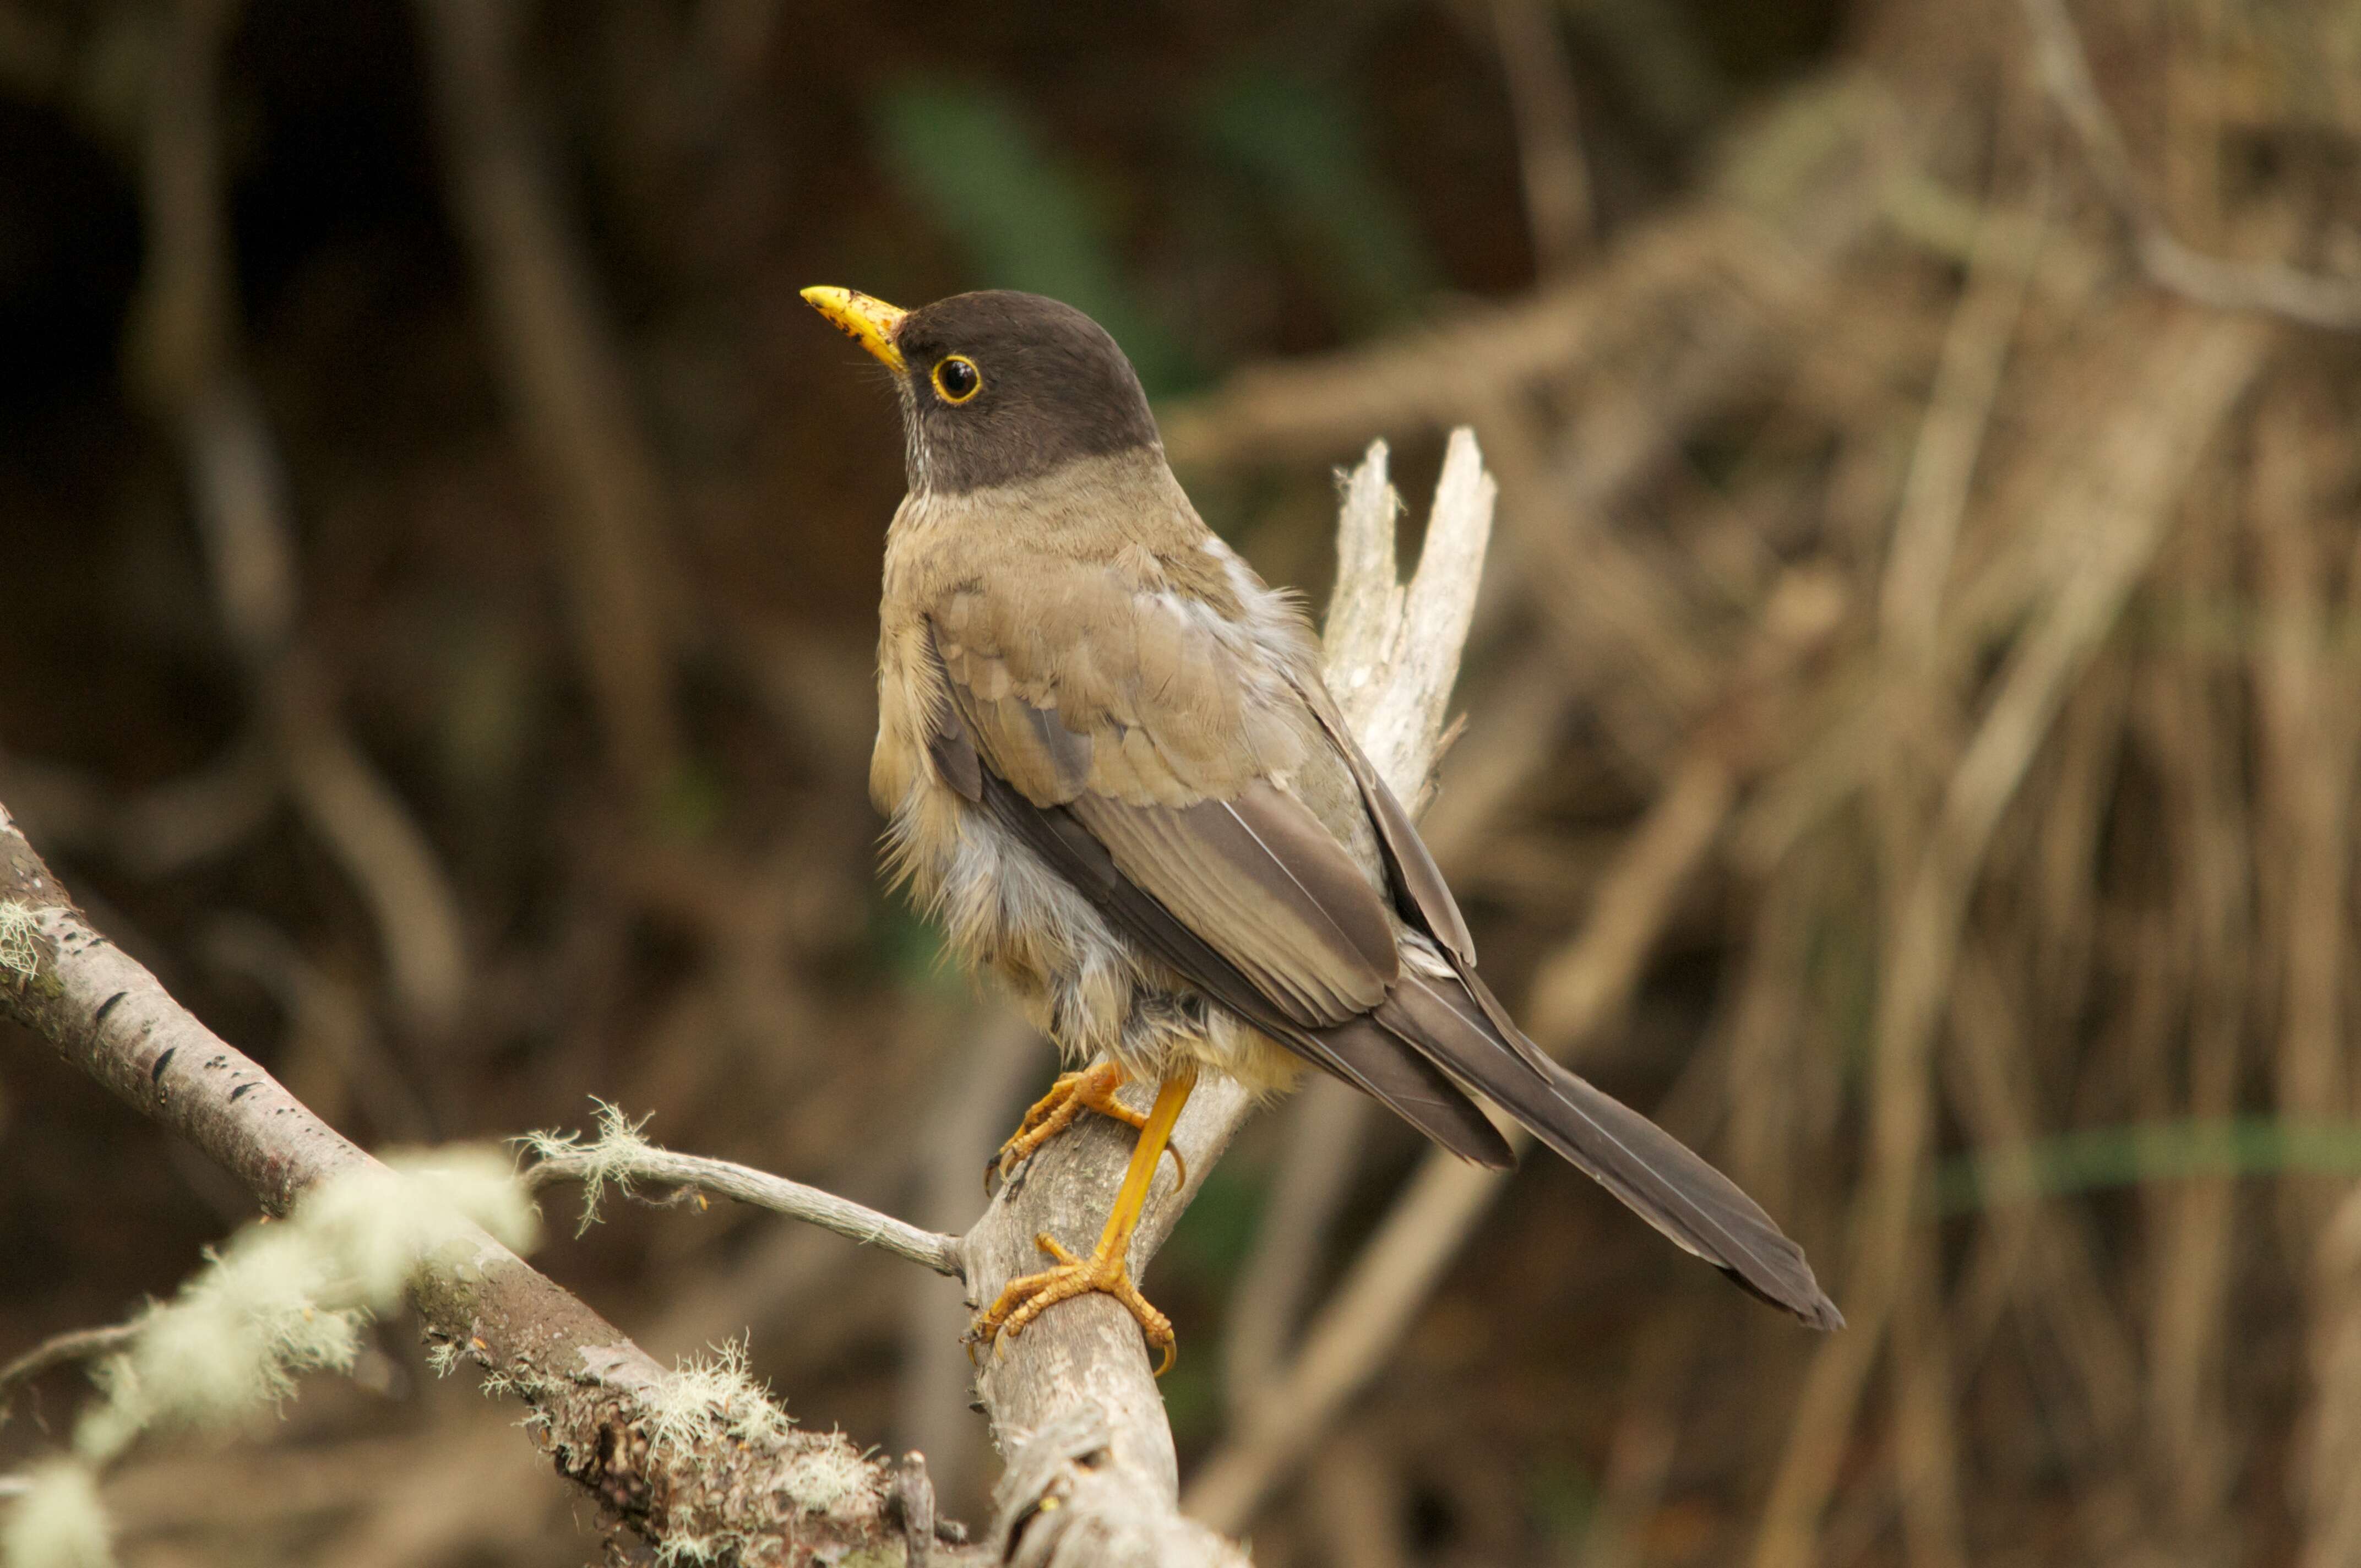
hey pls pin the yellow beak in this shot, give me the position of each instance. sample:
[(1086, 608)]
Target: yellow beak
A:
[(868, 323)]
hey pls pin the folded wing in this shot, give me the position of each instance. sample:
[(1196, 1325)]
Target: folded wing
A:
[(1154, 795)]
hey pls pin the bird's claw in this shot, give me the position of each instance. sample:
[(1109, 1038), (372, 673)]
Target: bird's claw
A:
[(1027, 1296), (1071, 1094)]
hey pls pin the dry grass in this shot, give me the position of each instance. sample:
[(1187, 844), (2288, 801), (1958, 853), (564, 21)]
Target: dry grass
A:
[(1913, 720), (2051, 832)]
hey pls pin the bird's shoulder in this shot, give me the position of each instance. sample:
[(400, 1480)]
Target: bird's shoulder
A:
[(1118, 686), (1098, 639)]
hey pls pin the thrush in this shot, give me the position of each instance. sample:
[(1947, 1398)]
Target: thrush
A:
[(1111, 768)]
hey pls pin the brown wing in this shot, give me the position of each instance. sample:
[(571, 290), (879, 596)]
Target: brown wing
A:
[(1146, 778), (1147, 728), (1463, 1028), (1179, 836), (1419, 893)]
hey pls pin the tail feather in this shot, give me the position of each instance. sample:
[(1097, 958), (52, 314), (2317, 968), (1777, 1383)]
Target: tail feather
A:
[(1411, 1085), (1657, 1177)]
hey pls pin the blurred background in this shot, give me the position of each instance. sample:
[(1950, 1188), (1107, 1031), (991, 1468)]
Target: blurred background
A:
[(1909, 740)]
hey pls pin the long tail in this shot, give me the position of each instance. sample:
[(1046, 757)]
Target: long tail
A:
[(1660, 1179), (1411, 1085)]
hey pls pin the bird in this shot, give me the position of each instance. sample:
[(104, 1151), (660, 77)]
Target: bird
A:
[(1110, 768)]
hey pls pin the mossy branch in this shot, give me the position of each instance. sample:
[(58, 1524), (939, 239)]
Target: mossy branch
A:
[(610, 1417), (620, 1156)]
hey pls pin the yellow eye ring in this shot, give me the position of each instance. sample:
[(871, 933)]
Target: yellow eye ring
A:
[(956, 378)]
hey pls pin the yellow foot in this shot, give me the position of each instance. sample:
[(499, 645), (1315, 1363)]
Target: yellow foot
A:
[(1029, 1295), (1072, 1094)]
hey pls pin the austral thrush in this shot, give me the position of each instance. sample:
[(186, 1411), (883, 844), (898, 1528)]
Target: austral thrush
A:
[(1112, 769)]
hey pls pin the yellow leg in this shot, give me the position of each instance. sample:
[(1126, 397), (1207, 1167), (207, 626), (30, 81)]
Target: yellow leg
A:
[(1029, 1295), (1092, 1088)]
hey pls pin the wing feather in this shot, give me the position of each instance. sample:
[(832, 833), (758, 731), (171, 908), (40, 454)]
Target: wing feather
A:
[(1250, 871), (1358, 1051), (1154, 796), (1656, 1176), (1419, 892)]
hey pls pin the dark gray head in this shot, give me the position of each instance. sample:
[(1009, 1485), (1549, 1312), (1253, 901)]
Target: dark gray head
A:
[(998, 386)]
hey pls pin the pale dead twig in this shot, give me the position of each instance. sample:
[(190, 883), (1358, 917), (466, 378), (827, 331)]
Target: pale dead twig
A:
[(1392, 649), (2334, 303), (1576, 992), (1072, 1401), (621, 1157), (68, 1349), (1399, 1266), (778, 1278)]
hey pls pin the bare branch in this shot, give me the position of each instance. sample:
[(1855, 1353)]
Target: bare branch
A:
[(73, 1346), (600, 1398), (1576, 992), (1071, 1401), (621, 1155), (1091, 1477), (1399, 1268)]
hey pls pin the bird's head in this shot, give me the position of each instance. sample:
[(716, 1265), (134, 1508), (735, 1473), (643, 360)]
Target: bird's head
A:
[(997, 387)]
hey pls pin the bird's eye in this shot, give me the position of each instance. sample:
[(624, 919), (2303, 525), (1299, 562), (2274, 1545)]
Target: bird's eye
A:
[(957, 379)]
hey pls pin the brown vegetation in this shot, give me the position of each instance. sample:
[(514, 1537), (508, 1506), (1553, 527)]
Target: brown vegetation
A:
[(1907, 743)]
